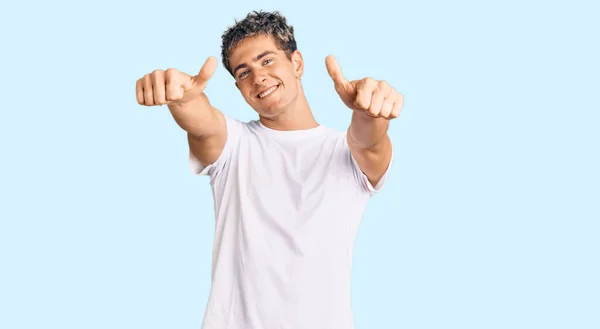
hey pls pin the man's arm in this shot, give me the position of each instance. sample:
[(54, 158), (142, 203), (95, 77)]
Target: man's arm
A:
[(184, 95), (208, 145), (373, 103), (370, 145)]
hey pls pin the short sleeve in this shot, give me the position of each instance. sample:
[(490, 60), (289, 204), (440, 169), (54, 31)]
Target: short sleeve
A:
[(364, 180), (234, 130)]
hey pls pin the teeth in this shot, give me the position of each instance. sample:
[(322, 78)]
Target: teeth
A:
[(267, 92)]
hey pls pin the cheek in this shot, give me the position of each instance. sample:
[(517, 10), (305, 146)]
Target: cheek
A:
[(245, 91)]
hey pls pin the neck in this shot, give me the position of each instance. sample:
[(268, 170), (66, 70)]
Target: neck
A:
[(298, 116)]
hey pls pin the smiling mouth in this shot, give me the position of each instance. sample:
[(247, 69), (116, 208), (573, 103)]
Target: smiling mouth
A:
[(268, 92)]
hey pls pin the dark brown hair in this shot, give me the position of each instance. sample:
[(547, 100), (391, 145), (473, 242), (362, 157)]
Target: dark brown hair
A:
[(259, 23)]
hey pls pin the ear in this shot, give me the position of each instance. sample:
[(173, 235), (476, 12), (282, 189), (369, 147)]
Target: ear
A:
[(298, 63)]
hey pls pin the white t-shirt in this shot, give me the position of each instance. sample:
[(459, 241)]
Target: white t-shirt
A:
[(288, 206)]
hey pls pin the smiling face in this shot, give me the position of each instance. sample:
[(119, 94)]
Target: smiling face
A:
[(268, 80)]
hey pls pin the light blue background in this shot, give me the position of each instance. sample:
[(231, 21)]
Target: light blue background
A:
[(490, 218)]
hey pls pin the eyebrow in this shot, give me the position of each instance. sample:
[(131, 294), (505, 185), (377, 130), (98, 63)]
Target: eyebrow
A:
[(257, 58)]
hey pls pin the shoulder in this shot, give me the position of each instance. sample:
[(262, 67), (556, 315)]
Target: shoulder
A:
[(346, 163)]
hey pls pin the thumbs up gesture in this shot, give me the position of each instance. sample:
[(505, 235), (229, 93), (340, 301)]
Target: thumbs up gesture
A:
[(172, 86), (376, 99)]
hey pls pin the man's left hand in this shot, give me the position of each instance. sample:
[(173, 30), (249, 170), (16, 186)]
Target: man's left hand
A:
[(374, 98)]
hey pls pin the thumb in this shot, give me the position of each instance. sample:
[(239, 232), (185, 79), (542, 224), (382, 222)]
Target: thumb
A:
[(206, 72), (335, 72)]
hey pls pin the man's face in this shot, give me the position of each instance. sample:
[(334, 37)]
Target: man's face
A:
[(267, 79)]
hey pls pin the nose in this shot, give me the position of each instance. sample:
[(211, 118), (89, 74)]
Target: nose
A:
[(259, 77)]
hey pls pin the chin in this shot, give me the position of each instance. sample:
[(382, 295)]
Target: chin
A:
[(269, 113), (272, 110)]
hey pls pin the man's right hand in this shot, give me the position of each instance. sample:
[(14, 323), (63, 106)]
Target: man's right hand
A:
[(184, 94), (172, 86)]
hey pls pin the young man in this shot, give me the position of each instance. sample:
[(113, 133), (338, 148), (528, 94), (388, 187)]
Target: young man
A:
[(289, 193)]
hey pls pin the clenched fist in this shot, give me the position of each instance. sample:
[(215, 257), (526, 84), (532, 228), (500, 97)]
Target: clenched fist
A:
[(376, 99), (172, 86)]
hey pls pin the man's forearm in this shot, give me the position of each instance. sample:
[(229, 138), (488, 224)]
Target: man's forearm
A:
[(197, 116), (366, 132)]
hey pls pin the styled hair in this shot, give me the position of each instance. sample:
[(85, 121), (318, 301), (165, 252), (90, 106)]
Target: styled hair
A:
[(258, 24)]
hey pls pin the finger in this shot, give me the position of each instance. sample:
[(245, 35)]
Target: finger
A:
[(335, 72), (376, 103), (364, 94), (386, 108), (139, 91), (173, 88), (397, 108), (148, 98), (207, 71), (158, 87)]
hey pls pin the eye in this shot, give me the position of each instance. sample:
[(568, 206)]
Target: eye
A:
[(242, 74), (267, 61)]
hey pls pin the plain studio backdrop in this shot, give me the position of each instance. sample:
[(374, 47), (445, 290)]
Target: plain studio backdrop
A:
[(490, 218)]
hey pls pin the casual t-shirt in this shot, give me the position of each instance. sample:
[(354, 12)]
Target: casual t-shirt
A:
[(288, 206)]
